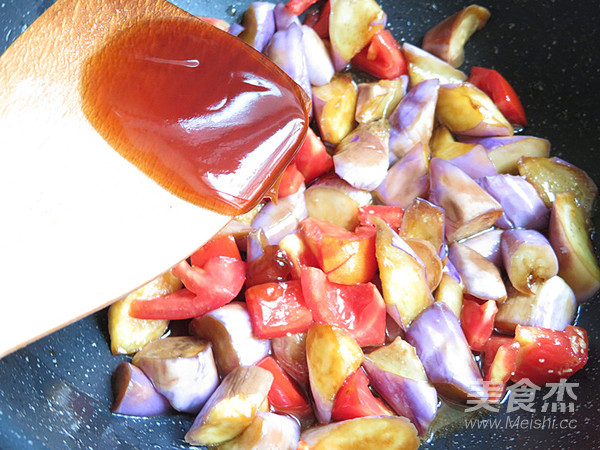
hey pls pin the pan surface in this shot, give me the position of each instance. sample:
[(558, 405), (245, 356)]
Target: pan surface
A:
[(55, 393)]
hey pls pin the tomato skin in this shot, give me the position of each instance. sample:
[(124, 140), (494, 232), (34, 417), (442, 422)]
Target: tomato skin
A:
[(392, 215), (547, 356), (501, 93), (358, 308), (382, 57), (224, 245), (207, 288), (277, 309), (500, 363), (291, 181), (354, 399), (312, 159), (347, 257), (297, 7), (320, 22), (477, 321), (284, 396)]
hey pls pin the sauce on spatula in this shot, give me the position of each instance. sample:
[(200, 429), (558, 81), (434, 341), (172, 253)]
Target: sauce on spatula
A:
[(199, 111)]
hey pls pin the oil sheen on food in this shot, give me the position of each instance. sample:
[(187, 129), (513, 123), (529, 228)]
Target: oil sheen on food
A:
[(197, 110)]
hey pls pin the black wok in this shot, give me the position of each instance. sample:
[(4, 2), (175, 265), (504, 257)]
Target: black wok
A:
[(55, 393)]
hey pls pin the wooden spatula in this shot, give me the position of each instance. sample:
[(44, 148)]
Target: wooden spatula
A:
[(81, 225)]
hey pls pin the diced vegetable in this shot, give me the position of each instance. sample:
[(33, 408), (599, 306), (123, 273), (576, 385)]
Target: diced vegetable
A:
[(412, 120), (364, 432), (291, 181), (447, 39), (284, 396), (477, 322), (312, 160), (134, 394), (290, 352), (230, 331), (378, 100), (480, 277), (346, 257), (381, 57), (259, 25), (358, 308), (399, 377), (528, 258), (502, 93), (552, 306), (182, 369), (573, 247), (332, 355), (403, 279), (442, 348), (128, 334), (469, 209), (466, 110), (334, 104), (547, 356), (209, 287), (266, 431), (392, 215), (277, 309), (232, 407), (500, 362), (423, 65), (355, 399)]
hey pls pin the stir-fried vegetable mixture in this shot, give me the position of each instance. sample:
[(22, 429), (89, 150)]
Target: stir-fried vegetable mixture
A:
[(414, 232)]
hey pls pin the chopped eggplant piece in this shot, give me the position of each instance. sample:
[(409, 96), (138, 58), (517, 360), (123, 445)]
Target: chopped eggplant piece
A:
[(480, 277), (334, 104), (522, 205), (128, 334), (232, 407), (259, 25), (443, 349), (466, 110), (447, 39), (398, 375), (365, 432), (134, 393), (572, 244), (412, 120), (469, 209), (181, 368), (528, 258), (268, 431), (377, 100), (361, 158), (423, 65), (332, 355), (552, 306), (230, 331)]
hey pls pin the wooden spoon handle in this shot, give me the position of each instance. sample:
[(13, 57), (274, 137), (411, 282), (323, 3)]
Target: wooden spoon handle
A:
[(82, 226)]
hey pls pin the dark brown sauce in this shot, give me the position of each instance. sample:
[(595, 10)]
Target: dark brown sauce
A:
[(197, 110)]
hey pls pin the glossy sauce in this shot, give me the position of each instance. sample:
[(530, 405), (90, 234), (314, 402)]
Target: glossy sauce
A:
[(197, 110)]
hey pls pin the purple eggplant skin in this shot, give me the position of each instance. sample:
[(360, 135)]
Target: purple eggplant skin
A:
[(259, 25), (181, 368), (529, 259), (287, 51), (475, 163), (412, 120), (277, 220), (236, 29), (318, 62), (416, 400), (406, 180), (506, 151), (553, 306), (523, 206), (487, 244), (469, 208), (480, 277), (442, 348), (134, 393), (283, 17)]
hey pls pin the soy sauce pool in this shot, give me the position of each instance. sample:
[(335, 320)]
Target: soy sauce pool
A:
[(200, 112)]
